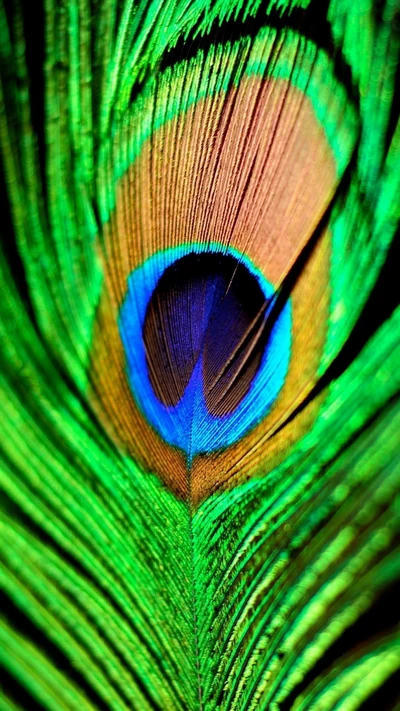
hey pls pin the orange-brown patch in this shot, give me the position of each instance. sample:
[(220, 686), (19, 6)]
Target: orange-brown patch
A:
[(252, 170)]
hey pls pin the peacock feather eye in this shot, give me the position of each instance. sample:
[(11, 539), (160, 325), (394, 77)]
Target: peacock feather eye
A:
[(217, 257)]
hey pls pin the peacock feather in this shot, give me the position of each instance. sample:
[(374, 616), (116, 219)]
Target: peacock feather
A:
[(200, 348)]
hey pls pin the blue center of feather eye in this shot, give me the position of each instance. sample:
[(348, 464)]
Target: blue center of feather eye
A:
[(204, 362)]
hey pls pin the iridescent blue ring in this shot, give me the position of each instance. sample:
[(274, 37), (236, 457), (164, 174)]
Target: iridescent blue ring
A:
[(189, 425)]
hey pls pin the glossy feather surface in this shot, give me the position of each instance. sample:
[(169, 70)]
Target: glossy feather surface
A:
[(199, 325)]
